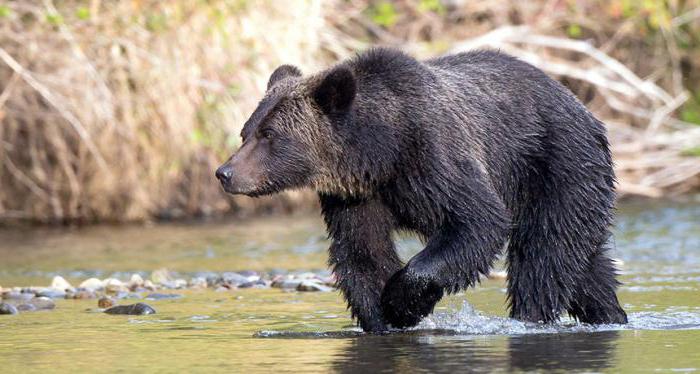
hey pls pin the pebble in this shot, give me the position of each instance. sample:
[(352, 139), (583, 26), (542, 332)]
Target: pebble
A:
[(161, 276), (113, 286), (286, 284), (233, 279), (81, 295), (16, 295), (106, 302), (134, 309), (42, 303), (162, 279), (309, 285), (26, 307), (135, 282), (163, 296), (92, 284), (497, 274), (198, 282), (51, 293), (175, 284), (259, 283), (128, 295), (8, 309), (59, 283)]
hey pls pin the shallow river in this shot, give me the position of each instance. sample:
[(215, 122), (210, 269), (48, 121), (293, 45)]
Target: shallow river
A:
[(253, 330)]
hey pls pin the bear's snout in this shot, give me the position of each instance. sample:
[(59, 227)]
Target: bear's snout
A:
[(223, 174), (238, 178)]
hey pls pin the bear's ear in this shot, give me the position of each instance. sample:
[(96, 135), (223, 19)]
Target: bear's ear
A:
[(282, 72), (336, 91)]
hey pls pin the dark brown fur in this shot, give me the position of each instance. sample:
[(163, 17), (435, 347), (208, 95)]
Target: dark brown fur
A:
[(469, 151)]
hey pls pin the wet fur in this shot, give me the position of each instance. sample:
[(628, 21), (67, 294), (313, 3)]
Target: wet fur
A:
[(469, 151)]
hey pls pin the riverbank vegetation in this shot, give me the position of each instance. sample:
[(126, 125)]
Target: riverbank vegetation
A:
[(120, 111)]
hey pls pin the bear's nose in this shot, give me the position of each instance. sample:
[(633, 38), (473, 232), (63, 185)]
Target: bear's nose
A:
[(224, 173)]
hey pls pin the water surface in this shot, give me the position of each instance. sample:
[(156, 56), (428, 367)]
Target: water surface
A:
[(255, 330)]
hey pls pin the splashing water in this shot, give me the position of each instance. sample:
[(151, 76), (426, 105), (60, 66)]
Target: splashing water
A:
[(468, 321)]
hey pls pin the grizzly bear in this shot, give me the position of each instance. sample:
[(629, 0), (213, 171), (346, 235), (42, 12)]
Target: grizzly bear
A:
[(470, 152)]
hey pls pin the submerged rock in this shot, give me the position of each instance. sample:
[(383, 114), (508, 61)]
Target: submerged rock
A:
[(256, 284), (16, 295), (52, 293), (286, 284), (310, 285), (42, 303), (128, 295), (6, 308), (81, 295), (26, 307), (137, 309), (233, 279), (163, 296)]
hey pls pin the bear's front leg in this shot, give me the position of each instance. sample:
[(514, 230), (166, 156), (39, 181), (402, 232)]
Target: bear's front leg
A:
[(362, 254), (452, 260)]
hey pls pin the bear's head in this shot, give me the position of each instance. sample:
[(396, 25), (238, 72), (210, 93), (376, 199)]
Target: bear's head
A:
[(288, 141)]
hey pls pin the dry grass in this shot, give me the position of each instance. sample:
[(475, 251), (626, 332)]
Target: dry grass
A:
[(632, 63), (123, 115), (120, 111)]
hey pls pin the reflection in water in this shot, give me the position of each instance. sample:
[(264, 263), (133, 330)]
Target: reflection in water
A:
[(563, 351), (422, 353)]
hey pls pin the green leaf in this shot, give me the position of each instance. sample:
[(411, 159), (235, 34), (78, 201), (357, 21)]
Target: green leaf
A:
[(431, 6), (691, 113), (198, 136), (83, 13), (5, 11), (54, 19), (574, 31), (691, 152), (384, 14)]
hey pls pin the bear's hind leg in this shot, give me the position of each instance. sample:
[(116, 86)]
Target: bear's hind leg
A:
[(556, 258), (594, 300), (539, 281)]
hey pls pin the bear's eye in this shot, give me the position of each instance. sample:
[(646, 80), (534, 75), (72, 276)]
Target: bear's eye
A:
[(267, 134)]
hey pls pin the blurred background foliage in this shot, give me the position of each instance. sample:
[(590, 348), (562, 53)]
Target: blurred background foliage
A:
[(121, 110)]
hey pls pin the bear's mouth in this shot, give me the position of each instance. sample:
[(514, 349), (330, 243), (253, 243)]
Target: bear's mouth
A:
[(250, 190)]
